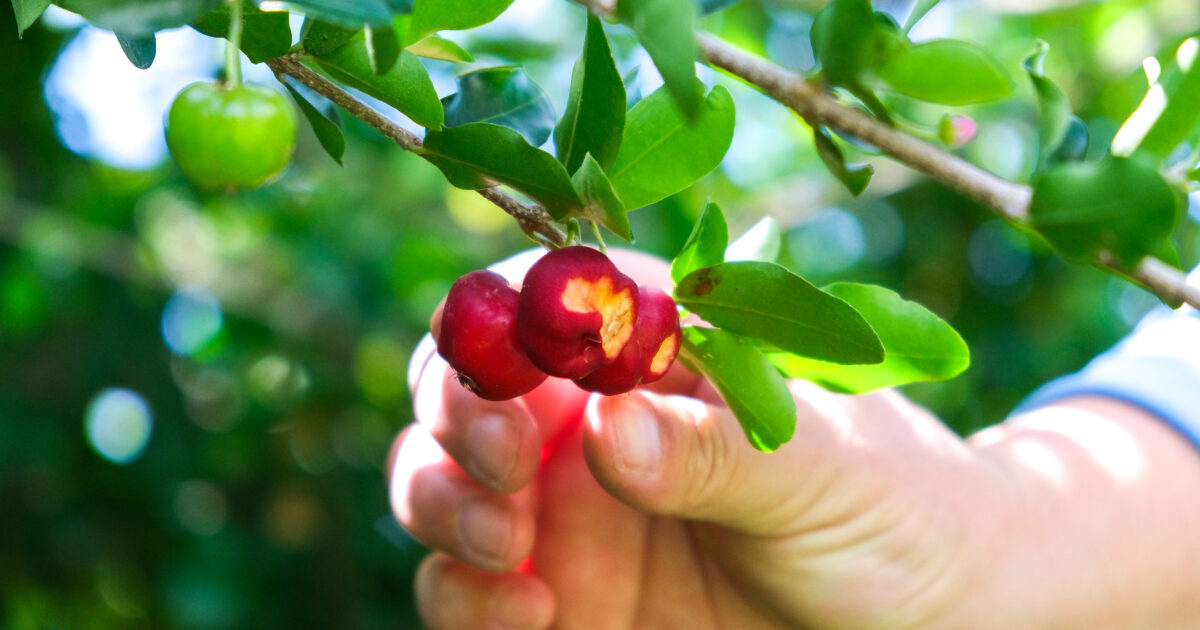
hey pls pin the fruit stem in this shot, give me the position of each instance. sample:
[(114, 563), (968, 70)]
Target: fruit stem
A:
[(599, 238), (233, 45)]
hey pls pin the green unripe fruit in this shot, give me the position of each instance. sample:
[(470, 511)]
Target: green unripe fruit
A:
[(230, 137)]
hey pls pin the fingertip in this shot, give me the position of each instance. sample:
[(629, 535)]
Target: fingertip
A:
[(496, 442), (453, 595)]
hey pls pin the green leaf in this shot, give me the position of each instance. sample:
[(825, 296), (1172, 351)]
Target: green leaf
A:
[(434, 47), (761, 242), (1075, 142), (321, 38), (406, 86), (1168, 114), (136, 18), (139, 49), (854, 177), (265, 34), (383, 48), (920, 8), (843, 36), (27, 12), (705, 246), (666, 29), (1055, 112), (663, 153), (352, 14), (595, 115), (600, 202), (480, 155), (430, 16), (946, 71), (767, 302), (504, 96), (918, 345), (400, 7), (1120, 204), (755, 392), (328, 133)]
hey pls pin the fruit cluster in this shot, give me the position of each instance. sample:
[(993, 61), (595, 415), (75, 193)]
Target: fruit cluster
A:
[(576, 316)]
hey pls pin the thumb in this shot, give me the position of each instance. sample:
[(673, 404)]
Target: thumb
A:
[(678, 456)]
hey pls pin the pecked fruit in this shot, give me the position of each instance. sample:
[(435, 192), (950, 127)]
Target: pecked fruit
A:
[(478, 338), (576, 312), (649, 353)]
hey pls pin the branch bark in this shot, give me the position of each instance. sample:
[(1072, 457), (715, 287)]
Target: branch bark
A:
[(1008, 199), (533, 219)]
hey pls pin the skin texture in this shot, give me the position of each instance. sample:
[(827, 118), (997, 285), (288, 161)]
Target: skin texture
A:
[(224, 137), (650, 511)]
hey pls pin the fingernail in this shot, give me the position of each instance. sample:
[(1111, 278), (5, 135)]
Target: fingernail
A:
[(637, 441), (486, 529), (492, 445)]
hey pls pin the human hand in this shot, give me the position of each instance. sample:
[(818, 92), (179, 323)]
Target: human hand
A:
[(653, 507), (651, 510)]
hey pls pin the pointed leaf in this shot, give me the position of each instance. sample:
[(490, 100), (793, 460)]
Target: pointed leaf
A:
[(406, 86), (434, 47), (600, 202), (265, 34), (946, 71), (1120, 204), (920, 8), (138, 49), (761, 242), (135, 18), (479, 155), (595, 115), (352, 14), (1168, 113), (854, 177), (328, 133), (383, 48), (27, 12), (752, 388), (321, 38), (663, 153), (918, 345), (768, 302), (1054, 116), (503, 96), (666, 29), (705, 246), (430, 16)]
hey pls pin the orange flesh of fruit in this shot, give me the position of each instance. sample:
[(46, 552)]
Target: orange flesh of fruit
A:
[(615, 308)]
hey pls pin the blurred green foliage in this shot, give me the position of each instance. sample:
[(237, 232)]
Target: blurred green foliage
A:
[(260, 499)]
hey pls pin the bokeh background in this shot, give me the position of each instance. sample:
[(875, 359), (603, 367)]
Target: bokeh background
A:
[(197, 393)]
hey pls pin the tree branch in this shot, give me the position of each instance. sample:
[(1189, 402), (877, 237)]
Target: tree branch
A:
[(1008, 199), (533, 219)]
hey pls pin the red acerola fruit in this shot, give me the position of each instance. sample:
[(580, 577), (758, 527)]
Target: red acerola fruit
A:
[(649, 353), (478, 337), (576, 312)]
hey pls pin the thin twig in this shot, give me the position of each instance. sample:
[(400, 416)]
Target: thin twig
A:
[(532, 218), (1008, 199)]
